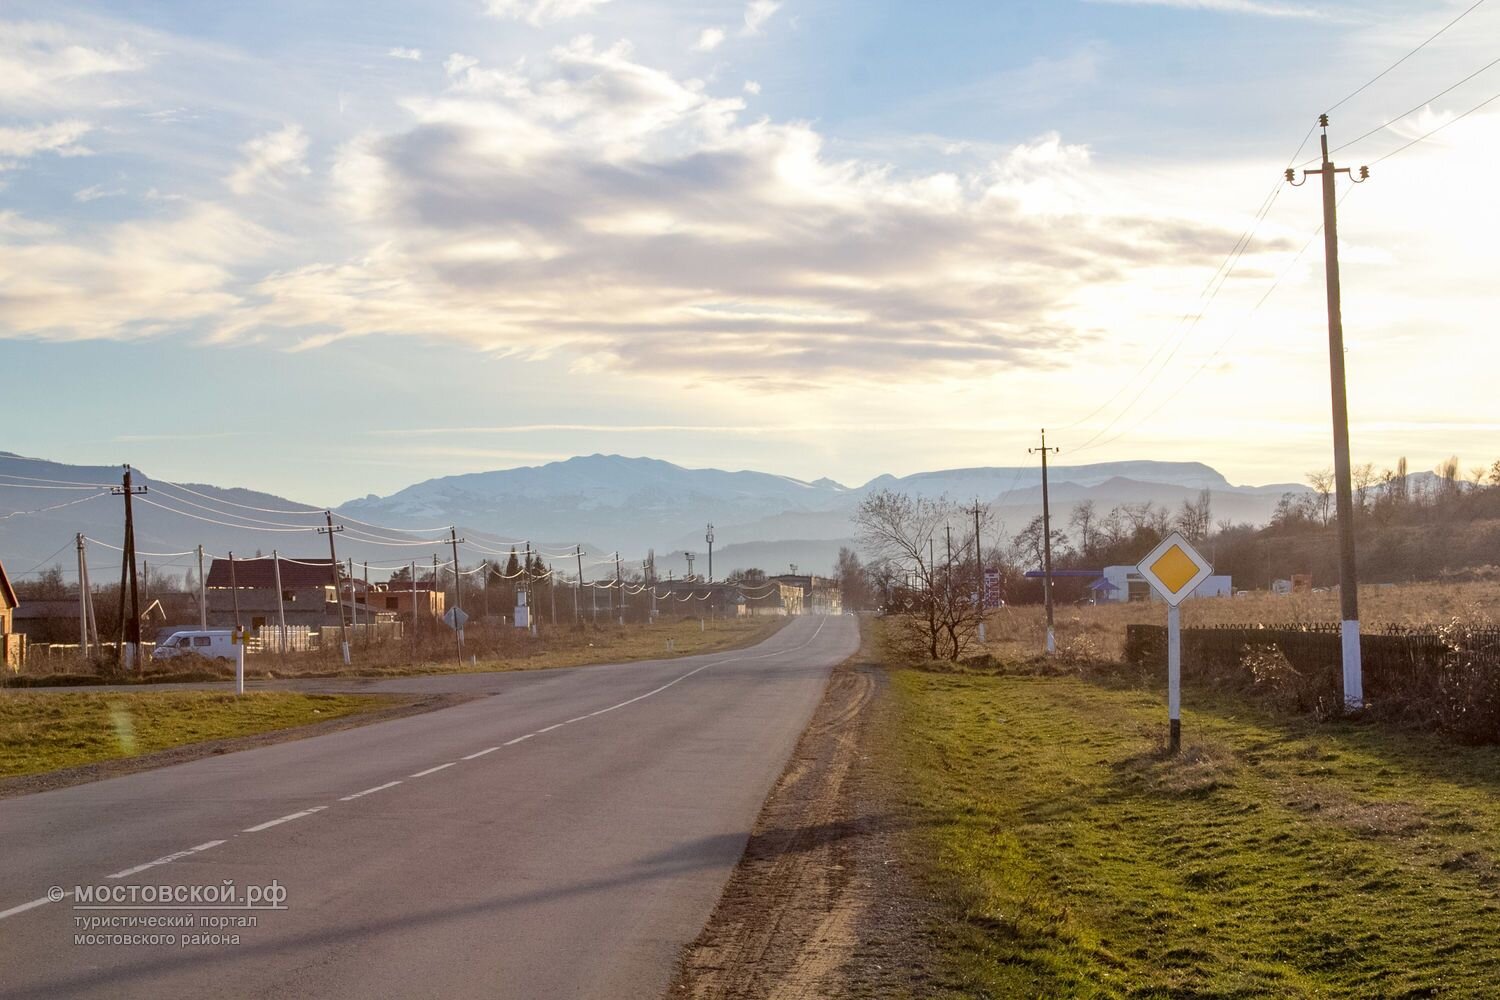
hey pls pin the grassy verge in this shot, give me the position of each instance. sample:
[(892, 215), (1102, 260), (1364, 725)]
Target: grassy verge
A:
[(45, 732), (485, 650), (1273, 858)]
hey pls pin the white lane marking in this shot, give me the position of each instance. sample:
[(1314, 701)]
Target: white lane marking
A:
[(549, 729), (31, 905), (369, 791), (480, 753), (168, 859), (576, 718), (431, 770), (518, 739), (283, 819)]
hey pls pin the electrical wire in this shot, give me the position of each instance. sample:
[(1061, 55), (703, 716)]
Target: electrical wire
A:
[(1412, 111), (56, 506), (1232, 334), (1428, 135), (55, 482), (231, 503), (116, 548), (1362, 87), (224, 524)]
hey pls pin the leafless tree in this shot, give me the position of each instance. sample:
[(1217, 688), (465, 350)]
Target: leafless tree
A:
[(935, 599), (1321, 480), (1085, 521)]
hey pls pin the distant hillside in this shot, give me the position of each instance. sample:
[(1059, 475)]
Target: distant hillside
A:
[(601, 501)]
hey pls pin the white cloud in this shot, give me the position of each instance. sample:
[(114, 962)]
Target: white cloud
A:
[(1256, 7), (757, 13), (710, 39), (601, 209), (129, 280), (539, 12), (22, 142), (752, 87), (44, 64), (414, 55), (275, 157), (96, 191)]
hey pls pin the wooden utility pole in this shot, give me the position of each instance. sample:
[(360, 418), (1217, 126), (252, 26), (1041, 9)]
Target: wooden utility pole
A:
[(458, 629), (979, 582), (202, 594), (281, 642), (333, 567), (578, 588), (620, 586), (1046, 543), (1354, 696), (552, 593), (234, 589), (130, 628)]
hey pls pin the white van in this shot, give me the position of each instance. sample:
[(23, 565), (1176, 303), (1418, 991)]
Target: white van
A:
[(214, 644)]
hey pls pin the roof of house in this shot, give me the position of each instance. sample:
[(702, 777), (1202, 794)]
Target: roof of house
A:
[(260, 573), (7, 592)]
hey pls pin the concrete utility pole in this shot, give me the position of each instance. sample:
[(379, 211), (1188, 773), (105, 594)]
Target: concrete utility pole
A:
[(333, 567), (709, 538), (202, 594), (130, 628), (1046, 543), (620, 586), (1354, 696), (83, 600)]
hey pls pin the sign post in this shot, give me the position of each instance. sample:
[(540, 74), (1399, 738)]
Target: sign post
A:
[(238, 639), (1174, 569)]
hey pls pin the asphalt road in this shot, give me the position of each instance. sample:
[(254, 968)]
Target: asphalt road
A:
[(563, 837)]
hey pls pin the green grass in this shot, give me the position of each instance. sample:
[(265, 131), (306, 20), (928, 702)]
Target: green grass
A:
[(1273, 858), (43, 732)]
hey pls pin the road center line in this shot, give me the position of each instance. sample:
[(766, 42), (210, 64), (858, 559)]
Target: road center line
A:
[(430, 770), (168, 859), (480, 753), (29, 906), (511, 743), (369, 791), (283, 819), (548, 729)]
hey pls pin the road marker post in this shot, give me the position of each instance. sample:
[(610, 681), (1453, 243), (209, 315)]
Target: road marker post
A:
[(1174, 569), (238, 639)]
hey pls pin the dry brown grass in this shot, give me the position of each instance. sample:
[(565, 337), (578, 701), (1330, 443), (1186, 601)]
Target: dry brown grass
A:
[(1091, 634)]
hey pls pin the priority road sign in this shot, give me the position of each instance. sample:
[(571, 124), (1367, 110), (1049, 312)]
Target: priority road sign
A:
[(455, 618), (1174, 569)]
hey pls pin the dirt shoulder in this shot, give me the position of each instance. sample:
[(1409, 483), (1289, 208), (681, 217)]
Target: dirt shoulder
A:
[(400, 706), (821, 904)]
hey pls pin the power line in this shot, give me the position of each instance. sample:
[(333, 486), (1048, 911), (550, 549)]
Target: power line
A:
[(1451, 121), (231, 503), (1362, 87), (1404, 114), (56, 506), (224, 524)]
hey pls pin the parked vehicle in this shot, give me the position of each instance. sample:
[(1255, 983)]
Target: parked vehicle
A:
[(213, 644)]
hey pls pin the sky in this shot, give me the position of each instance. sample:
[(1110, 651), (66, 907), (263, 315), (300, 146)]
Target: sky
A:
[(331, 249)]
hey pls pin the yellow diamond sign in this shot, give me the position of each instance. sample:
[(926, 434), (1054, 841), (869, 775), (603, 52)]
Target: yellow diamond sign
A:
[(1174, 568)]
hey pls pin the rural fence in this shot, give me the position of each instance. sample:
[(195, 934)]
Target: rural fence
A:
[(1444, 675)]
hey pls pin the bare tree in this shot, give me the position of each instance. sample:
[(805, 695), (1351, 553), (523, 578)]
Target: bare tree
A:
[(1321, 480), (1195, 517), (937, 614), (1085, 521)]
